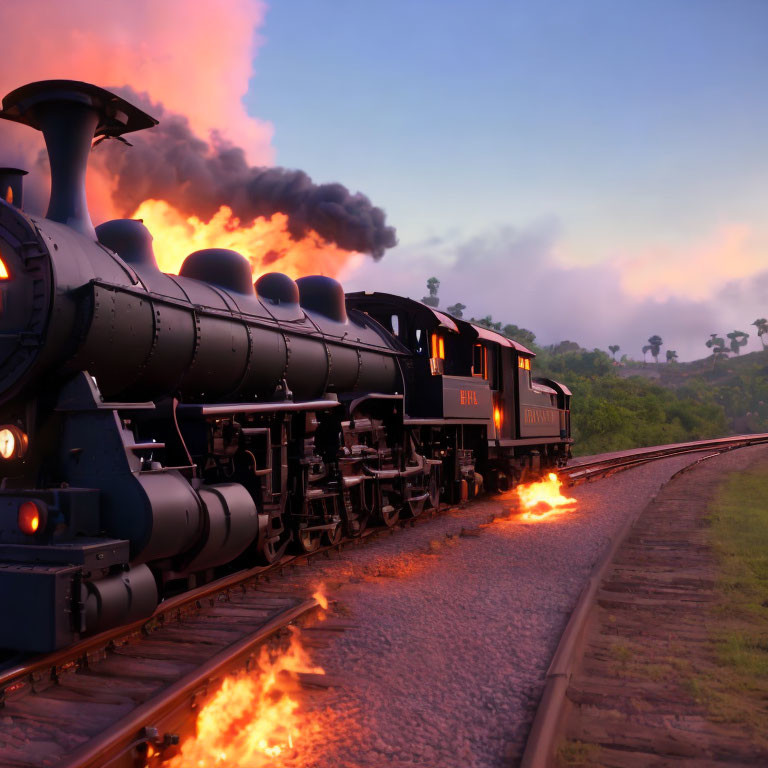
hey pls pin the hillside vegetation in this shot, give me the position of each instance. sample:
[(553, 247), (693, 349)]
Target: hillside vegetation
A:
[(630, 404), (616, 407)]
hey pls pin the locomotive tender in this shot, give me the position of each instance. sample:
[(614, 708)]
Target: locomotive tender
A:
[(156, 428)]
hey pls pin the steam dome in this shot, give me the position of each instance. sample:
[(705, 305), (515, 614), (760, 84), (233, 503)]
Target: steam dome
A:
[(220, 266)]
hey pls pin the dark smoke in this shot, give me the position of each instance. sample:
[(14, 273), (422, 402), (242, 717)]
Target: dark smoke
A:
[(170, 163)]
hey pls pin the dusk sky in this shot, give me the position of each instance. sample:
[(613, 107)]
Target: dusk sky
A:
[(594, 170)]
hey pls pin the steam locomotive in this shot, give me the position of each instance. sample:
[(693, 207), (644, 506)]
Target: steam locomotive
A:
[(156, 429)]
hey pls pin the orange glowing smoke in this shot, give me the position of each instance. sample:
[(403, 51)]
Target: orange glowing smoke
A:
[(543, 499), (254, 721), (266, 242)]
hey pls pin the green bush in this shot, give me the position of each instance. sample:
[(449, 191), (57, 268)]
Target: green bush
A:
[(610, 413)]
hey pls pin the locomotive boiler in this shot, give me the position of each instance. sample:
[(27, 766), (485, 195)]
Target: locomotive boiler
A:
[(156, 429)]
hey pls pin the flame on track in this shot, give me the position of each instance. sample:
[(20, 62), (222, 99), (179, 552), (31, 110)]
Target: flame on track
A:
[(321, 597), (255, 720), (266, 242), (543, 499)]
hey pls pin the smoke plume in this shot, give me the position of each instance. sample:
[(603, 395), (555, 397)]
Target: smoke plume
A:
[(197, 177), (196, 60), (517, 276)]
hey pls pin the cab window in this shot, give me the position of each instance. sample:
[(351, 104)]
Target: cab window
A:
[(437, 357), (480, 361)]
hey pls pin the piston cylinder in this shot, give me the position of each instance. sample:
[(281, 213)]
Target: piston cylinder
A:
[(120, 599)]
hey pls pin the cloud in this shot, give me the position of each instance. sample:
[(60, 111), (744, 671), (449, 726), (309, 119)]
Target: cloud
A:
[(516, 275), (194, 57), (191, 64), (695, 271)]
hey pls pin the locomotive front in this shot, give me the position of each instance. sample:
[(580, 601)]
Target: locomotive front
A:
[(146, 419)]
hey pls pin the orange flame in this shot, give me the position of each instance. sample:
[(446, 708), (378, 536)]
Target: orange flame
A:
[(321, 597), (543, 499), (254, 720), (265, 242)]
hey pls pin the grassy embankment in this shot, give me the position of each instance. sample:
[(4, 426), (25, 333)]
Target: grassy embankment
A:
[(735, 688)]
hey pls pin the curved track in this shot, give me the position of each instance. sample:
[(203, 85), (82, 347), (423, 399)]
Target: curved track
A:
[(194, 618), (547, 725)]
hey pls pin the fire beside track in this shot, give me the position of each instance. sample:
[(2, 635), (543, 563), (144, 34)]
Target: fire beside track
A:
[(203, 617), (165, 644)]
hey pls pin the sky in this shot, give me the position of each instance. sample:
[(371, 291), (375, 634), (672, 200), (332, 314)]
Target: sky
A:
[(593, 170)]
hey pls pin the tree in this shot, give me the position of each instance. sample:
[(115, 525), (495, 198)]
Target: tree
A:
[(521, 335), (719, 350), (654, 346), (457, 309), (433, 286), (487, 322), (565, 346), (738, 340), (762, 329), (671, 356), (614, 348), (646, 350)]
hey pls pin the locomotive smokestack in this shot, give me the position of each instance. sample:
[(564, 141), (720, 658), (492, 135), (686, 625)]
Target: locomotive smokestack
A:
[(70, 113), (11, 185), (68, 128)]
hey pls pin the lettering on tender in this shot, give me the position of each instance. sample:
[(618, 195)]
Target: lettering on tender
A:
[(540, 416)]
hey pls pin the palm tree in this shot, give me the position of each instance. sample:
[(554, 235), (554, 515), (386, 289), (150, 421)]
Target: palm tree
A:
[(671, 356), (614, 348), (654, 345), (762, 329), (433, 285), (646, 350), (719, 350), (738, 340)]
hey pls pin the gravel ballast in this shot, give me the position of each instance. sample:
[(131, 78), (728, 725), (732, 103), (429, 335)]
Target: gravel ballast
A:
[(451, 635)]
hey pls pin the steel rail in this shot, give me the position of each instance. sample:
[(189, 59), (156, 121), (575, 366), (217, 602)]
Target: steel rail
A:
[(540, 746), (588, 470), (132, 729), (75, 656)]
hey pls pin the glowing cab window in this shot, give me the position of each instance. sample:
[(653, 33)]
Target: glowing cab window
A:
[(438, 347), (3, 271)]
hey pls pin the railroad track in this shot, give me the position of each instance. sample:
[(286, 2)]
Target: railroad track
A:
[(585, 470), (109, 698), (112, 697), (548, 725)]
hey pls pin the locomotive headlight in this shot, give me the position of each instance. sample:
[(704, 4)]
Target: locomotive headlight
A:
[(31, 518), (13, 442)]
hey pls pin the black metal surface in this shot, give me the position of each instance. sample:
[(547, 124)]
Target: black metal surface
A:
[(205, 423)]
